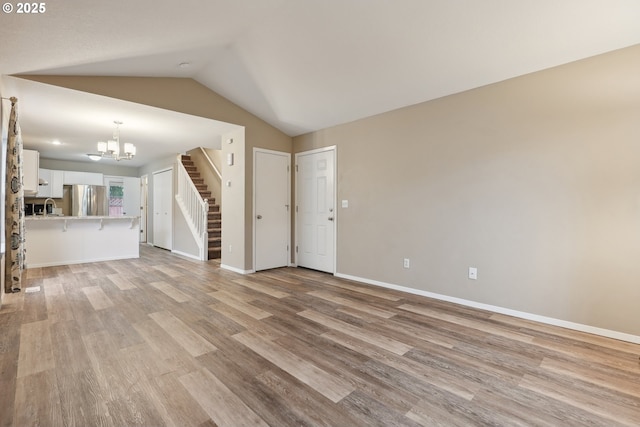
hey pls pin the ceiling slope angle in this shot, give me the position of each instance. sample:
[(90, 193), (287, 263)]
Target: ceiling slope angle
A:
[(79, 120), (306, 65)]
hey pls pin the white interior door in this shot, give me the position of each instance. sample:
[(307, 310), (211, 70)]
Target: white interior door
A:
[(315, 207), (115, 191), (162, 214), (271, 205), (131, 201)]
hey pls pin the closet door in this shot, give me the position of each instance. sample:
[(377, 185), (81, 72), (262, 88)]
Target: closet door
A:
[(162, 209), (271, 204)]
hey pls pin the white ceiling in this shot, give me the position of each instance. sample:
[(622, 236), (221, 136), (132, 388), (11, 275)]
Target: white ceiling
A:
[(300, 65), (78, 120)]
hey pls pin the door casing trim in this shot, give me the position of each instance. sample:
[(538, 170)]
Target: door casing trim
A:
[(253, 221), (333, 148)]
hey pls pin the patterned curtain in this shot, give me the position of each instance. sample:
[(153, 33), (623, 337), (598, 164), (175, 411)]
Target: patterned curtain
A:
[(14, 207)]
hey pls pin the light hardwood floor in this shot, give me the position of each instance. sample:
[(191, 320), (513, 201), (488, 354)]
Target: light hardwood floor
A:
[(162, 340)]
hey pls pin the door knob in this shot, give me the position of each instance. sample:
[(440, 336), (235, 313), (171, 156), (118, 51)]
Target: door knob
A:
[(259, 217), (330, 218)]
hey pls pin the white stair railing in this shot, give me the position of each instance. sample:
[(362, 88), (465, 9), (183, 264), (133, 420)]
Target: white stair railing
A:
[(194, 208)]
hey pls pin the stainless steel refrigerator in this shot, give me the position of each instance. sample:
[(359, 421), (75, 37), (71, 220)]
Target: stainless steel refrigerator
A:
[(89, 200)]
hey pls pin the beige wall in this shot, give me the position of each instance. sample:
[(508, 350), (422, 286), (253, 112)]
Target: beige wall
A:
[(236, 222), (213, 181), (190, 97), (535, 181)]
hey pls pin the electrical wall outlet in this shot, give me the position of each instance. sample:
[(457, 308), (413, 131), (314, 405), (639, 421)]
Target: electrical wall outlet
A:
[(406, 263), (473, 273)]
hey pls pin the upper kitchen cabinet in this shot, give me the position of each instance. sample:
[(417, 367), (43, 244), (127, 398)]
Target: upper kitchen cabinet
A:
[(55, 180), (88, 178), (30, 166)]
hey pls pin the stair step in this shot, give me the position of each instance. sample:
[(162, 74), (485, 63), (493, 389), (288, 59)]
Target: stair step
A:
[(214, 216)]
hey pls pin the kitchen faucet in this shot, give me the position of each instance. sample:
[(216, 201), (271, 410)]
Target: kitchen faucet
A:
[(45, 205)]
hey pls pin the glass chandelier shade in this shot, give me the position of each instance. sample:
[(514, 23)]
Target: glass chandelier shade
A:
[(111, 148)]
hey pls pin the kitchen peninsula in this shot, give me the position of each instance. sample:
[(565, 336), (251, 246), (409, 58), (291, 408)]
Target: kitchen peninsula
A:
[(61, 240)]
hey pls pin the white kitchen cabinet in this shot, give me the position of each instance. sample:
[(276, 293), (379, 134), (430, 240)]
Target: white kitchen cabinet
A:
[(88, 178), (44, 190), (30, 166), (55, 179), (56, 184)]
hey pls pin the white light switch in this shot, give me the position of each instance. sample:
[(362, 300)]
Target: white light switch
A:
[(345, 203), (473, 273)]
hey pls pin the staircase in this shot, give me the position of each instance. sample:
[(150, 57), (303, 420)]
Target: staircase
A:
[(214, 217)]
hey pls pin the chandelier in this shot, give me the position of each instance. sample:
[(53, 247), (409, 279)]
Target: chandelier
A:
[(111, 148)]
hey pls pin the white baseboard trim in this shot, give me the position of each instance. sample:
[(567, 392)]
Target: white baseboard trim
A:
[(236, 270), (501, 310), (186, 255)]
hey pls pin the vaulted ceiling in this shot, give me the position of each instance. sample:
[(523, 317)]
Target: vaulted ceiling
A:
[(300, 65)]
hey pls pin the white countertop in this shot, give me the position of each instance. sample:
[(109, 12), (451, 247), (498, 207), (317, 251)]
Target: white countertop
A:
[(60, 217)]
